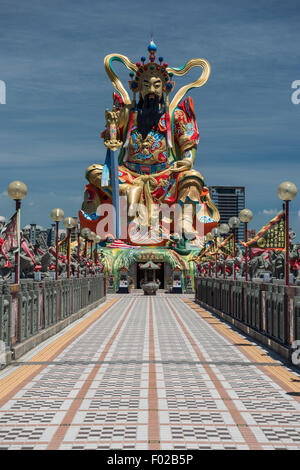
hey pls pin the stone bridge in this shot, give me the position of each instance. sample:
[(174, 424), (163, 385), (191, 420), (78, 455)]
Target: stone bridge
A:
[(145, 372)]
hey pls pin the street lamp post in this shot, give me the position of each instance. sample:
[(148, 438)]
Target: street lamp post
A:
[(81, 247), (209, 238), (78, 249), (85, 234), (234, 223), (215, 232), (287, 191), (17, 190), (57, 215), (92, 237), (245, 216), (224, 229), (97, 240), (199, 265), (69, 223)]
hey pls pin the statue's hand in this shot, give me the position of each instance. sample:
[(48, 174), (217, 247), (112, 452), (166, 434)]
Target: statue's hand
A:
[(112, 116), (183, 165)]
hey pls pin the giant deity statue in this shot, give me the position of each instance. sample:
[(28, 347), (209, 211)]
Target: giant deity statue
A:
[(157, 141)]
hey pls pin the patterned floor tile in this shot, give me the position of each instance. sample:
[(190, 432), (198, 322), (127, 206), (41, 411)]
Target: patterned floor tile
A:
[(26, 433), (278, 435), (32, 418), (199, 392), (272, 419)]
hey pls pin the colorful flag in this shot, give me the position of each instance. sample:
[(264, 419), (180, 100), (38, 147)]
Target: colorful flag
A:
[(10, 234), (226, 247), (205, 255), (271, 236), (205, 250), (206, 258), (63, 246)]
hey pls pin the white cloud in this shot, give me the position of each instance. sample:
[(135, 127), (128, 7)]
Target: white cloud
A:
[(270, 211)]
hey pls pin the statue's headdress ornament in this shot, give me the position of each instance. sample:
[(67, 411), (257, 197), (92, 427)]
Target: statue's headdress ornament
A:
[(159, 68), (151, 68)]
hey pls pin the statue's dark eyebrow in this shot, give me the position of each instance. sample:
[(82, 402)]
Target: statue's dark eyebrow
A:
[(146, 81)]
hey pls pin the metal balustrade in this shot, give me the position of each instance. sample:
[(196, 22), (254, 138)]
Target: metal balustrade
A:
[(251, 306), (24, 314), (84, 292), (275, 311), (92, 289), (237, 300), (260, 305), (225, 290), (65, 299), (50, 301), (39, 305), (75, 295), (280, 303), (269, 310)]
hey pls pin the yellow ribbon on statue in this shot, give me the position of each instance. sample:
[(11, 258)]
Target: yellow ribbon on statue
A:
[(145, 181)]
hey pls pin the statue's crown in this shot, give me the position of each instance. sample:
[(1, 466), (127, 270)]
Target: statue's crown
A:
[(151, 68)]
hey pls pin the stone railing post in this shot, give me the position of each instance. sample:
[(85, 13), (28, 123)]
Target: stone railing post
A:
[(296, 315), (263, 316), (290, 292), (22, 314), (35, 307), (5, 314)]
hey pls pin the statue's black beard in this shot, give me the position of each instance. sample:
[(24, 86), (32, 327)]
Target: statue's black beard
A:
[(149, 114)]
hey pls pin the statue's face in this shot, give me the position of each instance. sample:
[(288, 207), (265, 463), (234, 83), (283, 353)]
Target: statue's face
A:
[(152, 85)]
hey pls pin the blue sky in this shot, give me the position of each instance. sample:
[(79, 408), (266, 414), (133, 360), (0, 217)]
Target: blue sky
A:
[(51, 59)]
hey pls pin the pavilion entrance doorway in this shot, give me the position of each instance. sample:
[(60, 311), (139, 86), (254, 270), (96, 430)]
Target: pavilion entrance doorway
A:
[(159, 274)]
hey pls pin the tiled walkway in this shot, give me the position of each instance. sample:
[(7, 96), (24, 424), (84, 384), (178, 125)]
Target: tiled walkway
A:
[(153, 372)]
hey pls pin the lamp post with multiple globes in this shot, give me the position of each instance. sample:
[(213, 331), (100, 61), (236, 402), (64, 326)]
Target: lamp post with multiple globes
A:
[(17, 190)]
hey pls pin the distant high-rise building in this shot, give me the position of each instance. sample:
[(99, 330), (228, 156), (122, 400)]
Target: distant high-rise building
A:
[(51, 238), (230, 200)]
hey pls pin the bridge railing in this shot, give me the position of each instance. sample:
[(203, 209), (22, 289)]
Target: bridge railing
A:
[(5, 313), (270, 309), (31, 307)]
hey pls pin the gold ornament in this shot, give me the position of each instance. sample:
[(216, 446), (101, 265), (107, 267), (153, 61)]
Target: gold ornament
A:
[(261, 242), (203, 63)]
